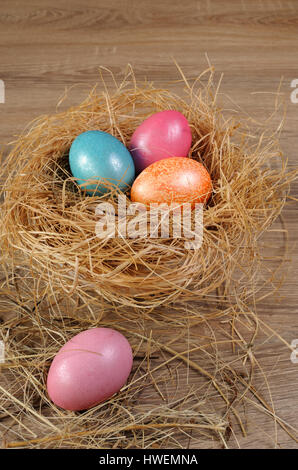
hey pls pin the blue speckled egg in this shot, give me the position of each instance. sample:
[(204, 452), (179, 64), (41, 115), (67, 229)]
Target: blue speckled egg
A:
[(98, 155)]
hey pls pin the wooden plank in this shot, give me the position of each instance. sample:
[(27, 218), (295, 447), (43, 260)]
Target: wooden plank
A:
[(45, 46)]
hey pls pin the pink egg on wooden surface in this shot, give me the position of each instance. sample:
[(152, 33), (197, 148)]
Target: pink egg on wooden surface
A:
[(162, 135), (89, 369)]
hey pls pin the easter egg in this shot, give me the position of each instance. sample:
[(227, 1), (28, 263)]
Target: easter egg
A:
[(163, 135), (89, 368), (172, 180), (100, 156)]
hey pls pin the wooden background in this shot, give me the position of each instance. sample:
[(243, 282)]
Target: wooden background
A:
[(48, 45)]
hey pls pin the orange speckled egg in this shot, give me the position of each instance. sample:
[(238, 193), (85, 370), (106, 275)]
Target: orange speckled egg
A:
[(172, 180)]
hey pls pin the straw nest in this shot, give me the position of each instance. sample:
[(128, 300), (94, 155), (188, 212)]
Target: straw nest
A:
[(50, 222)]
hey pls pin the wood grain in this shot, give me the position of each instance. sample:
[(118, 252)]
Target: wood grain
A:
[(48, 45)]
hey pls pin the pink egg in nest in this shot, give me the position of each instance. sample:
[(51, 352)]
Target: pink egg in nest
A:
[(89, 369), (164, 134)]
